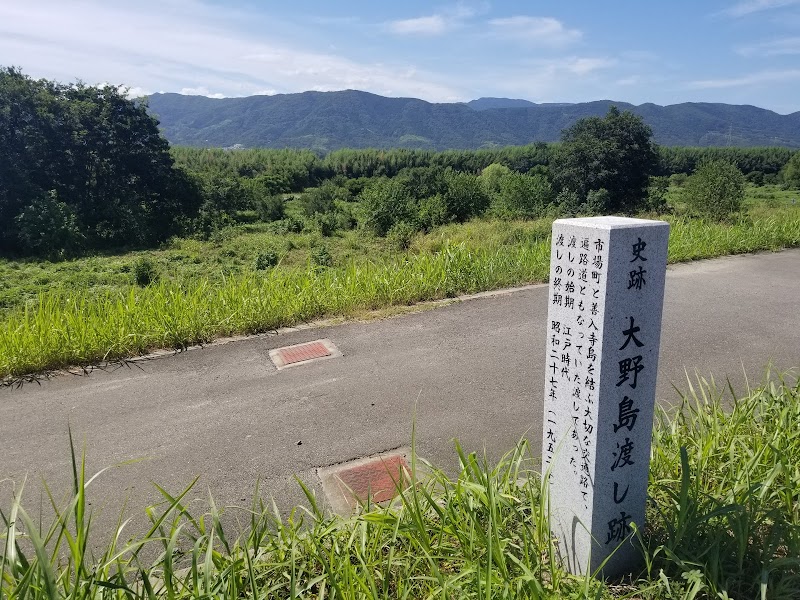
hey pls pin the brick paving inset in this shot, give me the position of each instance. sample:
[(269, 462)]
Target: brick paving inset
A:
[(302, 353), (378, 479)]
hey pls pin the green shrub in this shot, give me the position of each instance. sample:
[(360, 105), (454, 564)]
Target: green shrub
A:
[(270, 209), (322, 199), (465, 196), (598, 202), (322, 223), (715, 191), (266, 259), (145, 272), (383, 203), (520, 196), (401, 235), (432, 212), (568, 203), (678, 179), (657, 194), (321, 256), (755, 177), (790, 174), (491, 178), (48, 227), (286, 225), (224, 234), (345, 217)]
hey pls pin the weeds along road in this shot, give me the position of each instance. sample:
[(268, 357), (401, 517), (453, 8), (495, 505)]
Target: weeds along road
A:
[(471, 370)]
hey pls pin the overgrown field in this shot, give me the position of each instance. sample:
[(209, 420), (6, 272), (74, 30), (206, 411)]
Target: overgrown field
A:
[(723, 522), (251, 279)]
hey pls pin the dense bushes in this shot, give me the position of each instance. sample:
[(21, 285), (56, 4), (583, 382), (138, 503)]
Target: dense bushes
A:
[(791, 172), (614, 154), (83, 167), (715, 191)]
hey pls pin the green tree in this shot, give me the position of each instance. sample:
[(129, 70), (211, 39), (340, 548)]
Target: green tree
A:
[(99, 152), (384, 203), (715, 191), (423, 182), (48, 227), (791, 172), (223, 197), (319, 200), (465, 196), (29, 148), (522, 196), (615, 153), (492, 177)]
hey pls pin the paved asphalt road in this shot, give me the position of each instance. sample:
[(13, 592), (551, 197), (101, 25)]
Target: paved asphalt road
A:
[(470, 370)]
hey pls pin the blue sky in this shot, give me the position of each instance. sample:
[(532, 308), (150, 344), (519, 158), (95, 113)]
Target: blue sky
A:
[(735, 51)]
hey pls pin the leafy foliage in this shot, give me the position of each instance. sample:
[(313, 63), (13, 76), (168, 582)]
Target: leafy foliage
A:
[(464, 196), (519, 196), (321, 256), (791, 172), (92, 161), (384, 203), (401, 235), (614, 153), (266, 259), (145, 272), (715, 191), (766, 160), (48, 227)]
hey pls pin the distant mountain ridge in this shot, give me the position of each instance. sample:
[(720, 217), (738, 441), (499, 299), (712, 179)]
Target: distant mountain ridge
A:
[(327, 121)]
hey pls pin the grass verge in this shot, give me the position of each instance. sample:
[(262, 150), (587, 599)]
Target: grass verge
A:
[(723, 522), (61, 329)]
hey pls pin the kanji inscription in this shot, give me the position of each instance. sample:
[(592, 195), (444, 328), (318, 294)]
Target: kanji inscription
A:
[(603, 332)]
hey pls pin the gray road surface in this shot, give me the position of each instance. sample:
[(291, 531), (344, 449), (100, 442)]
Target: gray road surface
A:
[(472, 370)]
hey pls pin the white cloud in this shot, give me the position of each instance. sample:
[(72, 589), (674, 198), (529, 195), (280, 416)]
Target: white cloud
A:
[(747, 80), (626, 81), (567, 79), (432, 25), (584, 66), (200, 91), (747, 7), (540, 31), (446, 20), (136, 92), (187, 44), (779, 47)]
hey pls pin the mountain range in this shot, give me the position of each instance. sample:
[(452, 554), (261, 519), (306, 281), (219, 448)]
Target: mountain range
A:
[(325, 121)]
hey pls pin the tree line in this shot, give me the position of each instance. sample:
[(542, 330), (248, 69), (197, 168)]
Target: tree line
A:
[(84, 168), (295, 169)]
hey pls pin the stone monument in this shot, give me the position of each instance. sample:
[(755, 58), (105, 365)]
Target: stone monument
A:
[(603, 333)]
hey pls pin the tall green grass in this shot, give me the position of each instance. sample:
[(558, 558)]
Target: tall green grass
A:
[(691, 239), (725, 488), (60, 331), (63, 329), (723, 523)]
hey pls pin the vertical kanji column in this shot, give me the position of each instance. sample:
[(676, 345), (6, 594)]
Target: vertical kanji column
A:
[(603, 332)]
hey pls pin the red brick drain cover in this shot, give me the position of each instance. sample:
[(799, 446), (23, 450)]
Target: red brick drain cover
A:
[(378, 479), (301, 353), (307, 351)]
